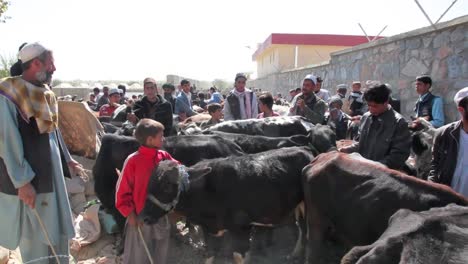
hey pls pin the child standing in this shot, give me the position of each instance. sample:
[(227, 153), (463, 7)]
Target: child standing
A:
[(265, 103), (131, 196), (216, 112)]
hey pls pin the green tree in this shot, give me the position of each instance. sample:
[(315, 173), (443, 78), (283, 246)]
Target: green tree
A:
[(56, 82), (223, 86), (3, 8), (5, 63)]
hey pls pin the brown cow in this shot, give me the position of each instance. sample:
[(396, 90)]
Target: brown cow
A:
[(356, 197)]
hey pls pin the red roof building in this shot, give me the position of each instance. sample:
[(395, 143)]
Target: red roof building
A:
[(288, 51)]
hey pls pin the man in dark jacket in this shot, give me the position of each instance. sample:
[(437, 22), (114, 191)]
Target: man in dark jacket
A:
[(336, 118), (450, 152), (384, 134), (169, 94), (152, 106)]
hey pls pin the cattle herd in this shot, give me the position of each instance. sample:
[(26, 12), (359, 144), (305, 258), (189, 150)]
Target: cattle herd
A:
[(259, 173)]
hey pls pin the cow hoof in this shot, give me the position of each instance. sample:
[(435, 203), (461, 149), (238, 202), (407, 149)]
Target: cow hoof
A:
[(209, 260)]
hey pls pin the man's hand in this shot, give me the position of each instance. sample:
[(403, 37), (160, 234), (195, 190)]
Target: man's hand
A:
[(132, 118), (75, 167), (300, 103), (133, 220), (27, 194)]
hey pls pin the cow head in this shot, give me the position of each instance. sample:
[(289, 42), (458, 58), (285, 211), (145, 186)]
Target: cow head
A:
[(168, 180), (164, 189), (322, 138), (421, 146)]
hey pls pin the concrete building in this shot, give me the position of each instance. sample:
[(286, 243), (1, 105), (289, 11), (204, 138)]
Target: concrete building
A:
[(281, 52)]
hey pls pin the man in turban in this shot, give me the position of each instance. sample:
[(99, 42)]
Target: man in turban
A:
[(33, 161)]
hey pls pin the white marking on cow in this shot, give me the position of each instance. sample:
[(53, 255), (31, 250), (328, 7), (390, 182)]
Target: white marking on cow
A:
[(261, 224), (299, 247), (220, 233)]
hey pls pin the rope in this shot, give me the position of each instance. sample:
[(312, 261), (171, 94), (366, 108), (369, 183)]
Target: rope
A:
[(145, 246), (46, 234), (44, 258)]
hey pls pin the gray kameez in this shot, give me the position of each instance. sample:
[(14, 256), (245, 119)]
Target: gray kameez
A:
[(18, 224)]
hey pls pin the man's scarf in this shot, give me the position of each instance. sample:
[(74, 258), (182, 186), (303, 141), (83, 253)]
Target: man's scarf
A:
[(32, 101), (247, 101)]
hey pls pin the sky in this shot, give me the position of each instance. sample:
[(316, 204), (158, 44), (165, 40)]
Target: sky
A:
[(199, 39)]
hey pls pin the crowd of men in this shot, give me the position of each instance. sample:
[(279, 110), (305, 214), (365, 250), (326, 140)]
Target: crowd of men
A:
[(33, 156), (370, 116)]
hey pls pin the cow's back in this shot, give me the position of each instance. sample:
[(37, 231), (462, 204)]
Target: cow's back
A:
[(262, 187), (191, 149), (256, 144), (360, 196), (439, 235), (270, 126)]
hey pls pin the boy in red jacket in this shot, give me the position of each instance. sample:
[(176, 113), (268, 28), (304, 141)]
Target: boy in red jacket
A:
[(131, 196)]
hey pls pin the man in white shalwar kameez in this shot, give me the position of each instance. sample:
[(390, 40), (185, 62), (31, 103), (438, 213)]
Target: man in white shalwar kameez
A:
[(32, 161)]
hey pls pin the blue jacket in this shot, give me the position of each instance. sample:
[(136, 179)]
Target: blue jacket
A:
[(215, 98), (183, 105)]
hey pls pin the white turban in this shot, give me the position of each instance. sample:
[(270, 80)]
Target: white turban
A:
[(31, 51), (311, 77), (460, 95)]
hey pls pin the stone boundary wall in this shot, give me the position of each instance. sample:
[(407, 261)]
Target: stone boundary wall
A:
[(396, 60)]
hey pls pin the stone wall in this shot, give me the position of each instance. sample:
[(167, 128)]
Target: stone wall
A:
[(396, 60)]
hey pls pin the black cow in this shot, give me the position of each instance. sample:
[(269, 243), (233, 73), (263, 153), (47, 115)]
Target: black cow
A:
[(320, 139), (278, 126), (115, 149), (439, 235), (421, 146), (231, 193), (356, 197)]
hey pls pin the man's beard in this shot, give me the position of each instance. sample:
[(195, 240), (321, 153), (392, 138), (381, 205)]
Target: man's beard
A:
[(44, 77), (465, 115)]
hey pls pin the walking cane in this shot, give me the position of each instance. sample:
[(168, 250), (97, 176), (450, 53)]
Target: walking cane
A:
[(148, 254), (46, 234), (145, 246)]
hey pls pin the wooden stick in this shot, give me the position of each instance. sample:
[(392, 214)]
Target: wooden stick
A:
[(145, 246), (46, 234)]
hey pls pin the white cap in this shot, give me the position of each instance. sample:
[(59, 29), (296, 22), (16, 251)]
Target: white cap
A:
[(311, 77), (31, 51), (460, 95), (115, 91), (342, 86)]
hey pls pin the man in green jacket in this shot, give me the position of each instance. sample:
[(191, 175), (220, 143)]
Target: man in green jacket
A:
[(307, 104)]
